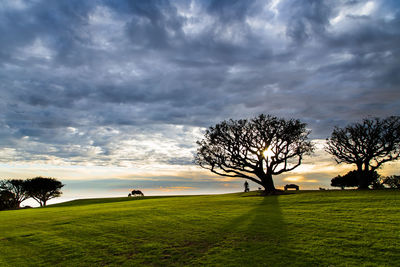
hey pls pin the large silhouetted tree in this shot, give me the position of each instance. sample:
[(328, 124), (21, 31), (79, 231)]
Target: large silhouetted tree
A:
[(367, 145), (42, 189), (17, 187), (254, 149)]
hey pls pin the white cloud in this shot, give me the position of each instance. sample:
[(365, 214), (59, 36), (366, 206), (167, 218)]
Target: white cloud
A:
[(36, 50), (133, 84)]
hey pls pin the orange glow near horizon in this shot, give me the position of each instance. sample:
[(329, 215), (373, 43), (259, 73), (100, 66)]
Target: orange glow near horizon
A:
[(293, 178)]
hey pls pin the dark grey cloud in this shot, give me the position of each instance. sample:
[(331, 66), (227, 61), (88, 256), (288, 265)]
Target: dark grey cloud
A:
[(81, 81), (307, 19)]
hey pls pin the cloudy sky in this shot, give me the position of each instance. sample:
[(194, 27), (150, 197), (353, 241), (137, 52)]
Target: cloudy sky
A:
[(112, 95)]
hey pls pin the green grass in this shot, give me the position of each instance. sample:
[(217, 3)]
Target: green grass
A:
[(326, 228)]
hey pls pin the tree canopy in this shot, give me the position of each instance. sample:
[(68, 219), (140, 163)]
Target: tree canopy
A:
[(368, 145), (42, 189), (350, 179), (18, 188), (254, 149)]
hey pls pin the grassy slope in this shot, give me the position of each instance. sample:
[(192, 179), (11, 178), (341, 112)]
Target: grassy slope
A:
[(329, 228)]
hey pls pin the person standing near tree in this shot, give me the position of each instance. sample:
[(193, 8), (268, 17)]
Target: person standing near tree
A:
[(246, 187)]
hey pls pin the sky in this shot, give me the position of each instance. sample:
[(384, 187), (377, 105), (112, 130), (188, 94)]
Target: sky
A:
[(108, 96)]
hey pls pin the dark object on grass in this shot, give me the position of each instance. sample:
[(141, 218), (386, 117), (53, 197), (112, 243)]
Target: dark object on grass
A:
[(246, 187), (294, 186), (367, 145), (137, 193), (254, 149), (42, 189), (321, 188)]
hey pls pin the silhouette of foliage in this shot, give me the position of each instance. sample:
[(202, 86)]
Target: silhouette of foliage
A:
[(42, 189), (7, 200), (17, 187), (348, 180), (254, 149), (392, 181), (351, 179), (367, 145)]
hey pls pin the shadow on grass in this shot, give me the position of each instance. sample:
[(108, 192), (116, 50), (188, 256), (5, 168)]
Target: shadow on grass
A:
[(267, 235), (274, 244), (256, 237)]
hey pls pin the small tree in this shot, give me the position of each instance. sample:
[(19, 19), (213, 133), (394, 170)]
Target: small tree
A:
[(42, 189), (254, 149), (392, 181), (367, 145), (17, 187)]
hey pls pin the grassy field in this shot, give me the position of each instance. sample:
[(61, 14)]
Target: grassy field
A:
[(321, 228)]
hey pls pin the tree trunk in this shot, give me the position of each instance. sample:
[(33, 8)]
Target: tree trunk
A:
[(362, 179), (268, 184)]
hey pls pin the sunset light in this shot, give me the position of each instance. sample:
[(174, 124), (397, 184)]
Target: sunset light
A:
[(268, 154), (199, 133), (123, 91)]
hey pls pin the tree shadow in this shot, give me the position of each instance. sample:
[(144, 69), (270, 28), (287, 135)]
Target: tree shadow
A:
[(256, 237), (267, 233), (259, 237)]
